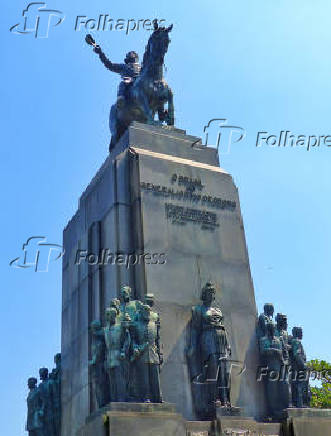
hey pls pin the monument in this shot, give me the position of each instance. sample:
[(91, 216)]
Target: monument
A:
[(156, 194), (160, 333)]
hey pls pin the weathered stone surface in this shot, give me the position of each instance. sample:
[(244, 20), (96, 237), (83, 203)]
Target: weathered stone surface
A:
[(194, 256), (167, 140), (123, 419), (247, 427), (308, 422), (308, 413), (201, 428), (117, 212), (229, 411)]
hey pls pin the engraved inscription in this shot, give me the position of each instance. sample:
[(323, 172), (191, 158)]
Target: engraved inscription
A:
[(182, 215), (187, 189)]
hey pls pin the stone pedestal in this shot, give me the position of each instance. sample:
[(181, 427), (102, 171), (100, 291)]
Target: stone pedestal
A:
[(229, 411), (308, 422), (138, 419), (241, 426), (170, 204), (201, 428)]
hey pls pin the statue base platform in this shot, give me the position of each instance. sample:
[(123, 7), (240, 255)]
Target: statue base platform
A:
[(201, 428), (138, 419), (161, 201), (308, 422), (245, 426), (228, 411)]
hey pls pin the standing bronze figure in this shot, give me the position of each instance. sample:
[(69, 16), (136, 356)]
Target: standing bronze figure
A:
[(116, 346), (271, 349), (34, 421), (97, 365), (208, 355), (300, 375), (265, 318), (285, 385), (47, 411), (146, 356), (55, 380)]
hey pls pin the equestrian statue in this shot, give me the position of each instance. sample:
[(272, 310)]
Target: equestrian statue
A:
[(143, 92)]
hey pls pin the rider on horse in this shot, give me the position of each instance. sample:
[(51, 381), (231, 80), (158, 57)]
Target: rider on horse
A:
[(143, 92), (129, 71)]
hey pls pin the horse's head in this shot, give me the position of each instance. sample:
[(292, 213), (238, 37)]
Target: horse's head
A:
[(157, 44)]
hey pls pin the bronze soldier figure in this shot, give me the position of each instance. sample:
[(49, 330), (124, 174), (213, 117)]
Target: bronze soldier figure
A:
[(146, 355), (96, 365), (300, 375), (281, 332), (116, 338), (55, 381), (34, 423), (45, 391), (128, 71), (272, 356), (265, 318)]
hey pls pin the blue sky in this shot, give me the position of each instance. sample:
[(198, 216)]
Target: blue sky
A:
[(264, 66)]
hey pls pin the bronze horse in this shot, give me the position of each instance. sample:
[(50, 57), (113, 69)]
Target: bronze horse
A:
[(149, 93)]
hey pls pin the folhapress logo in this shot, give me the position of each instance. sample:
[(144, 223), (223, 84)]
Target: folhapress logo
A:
[(217, 133), (38, 20), (38, 254)]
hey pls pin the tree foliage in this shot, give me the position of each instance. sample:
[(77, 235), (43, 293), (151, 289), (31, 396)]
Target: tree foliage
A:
[(321, 396)]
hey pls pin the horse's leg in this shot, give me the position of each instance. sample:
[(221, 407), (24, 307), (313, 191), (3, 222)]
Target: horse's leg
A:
[(161, 112), (143, 100), (171, 109)]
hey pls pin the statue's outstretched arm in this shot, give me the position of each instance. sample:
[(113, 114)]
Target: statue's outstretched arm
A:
[(116, 68)]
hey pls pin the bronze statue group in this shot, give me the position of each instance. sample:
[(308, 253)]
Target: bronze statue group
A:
[(44, 402), (126, 354), (126, 358), (284, 368)]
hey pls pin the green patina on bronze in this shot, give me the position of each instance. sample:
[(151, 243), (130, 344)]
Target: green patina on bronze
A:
[(284, 363), (127, 351), (143, 91), (208, 356), (44, 402)]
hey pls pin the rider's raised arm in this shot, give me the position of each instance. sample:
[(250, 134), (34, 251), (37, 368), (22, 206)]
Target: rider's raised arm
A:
[(116, 68)]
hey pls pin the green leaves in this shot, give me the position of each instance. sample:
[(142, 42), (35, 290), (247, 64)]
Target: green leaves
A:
[(321, 370)]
